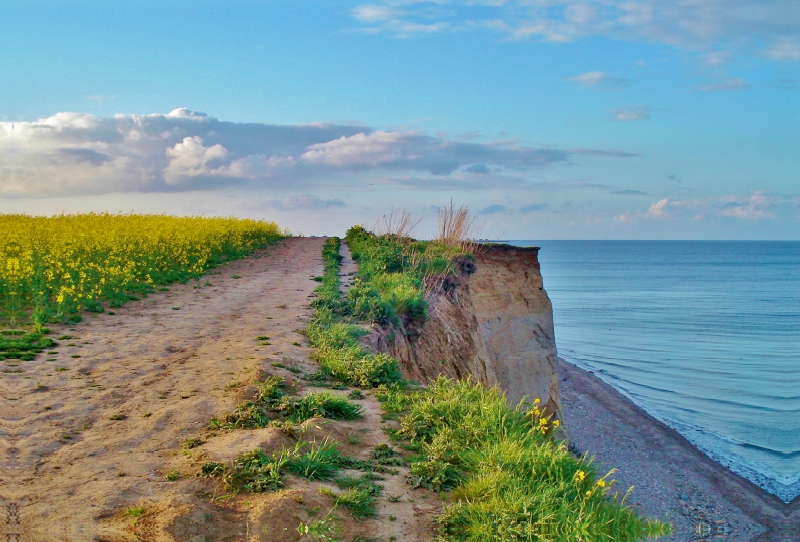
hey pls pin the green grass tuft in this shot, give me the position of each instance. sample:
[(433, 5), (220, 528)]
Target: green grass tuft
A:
[(320, 462), (257, 472), (319, 404), (360, 502)]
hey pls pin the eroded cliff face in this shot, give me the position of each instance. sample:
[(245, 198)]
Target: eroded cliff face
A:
[(493, 321), (516, 322)]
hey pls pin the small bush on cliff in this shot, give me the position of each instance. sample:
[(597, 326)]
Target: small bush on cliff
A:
[(511, 481)]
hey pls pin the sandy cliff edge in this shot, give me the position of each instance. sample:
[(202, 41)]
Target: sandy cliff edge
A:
[(491, 320)]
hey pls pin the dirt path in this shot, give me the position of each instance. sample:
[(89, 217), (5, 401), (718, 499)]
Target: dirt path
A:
[(93, 430), (347, 269)]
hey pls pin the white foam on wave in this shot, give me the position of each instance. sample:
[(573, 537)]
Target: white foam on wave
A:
[(786, 488)]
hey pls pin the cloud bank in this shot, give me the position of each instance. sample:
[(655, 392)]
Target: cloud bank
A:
[(756, 206), (78, 153)]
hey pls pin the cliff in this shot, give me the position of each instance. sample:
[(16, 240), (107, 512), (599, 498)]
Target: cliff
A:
[(493, 320)]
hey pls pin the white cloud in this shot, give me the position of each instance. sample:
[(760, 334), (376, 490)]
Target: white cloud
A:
[(758, 205), (729, 83), (492, 209), (532, 207), (632, 112), (600, 80), (785, 50), (692, 25), (305, 202), (717, 58), (78, 153), (371, 13), (658, 210), (190, 159), (361, 149)]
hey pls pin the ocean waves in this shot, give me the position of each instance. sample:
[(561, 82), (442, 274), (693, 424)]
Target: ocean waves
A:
[(704, 336)]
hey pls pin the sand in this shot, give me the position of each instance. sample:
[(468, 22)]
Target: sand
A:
[(672, 480)]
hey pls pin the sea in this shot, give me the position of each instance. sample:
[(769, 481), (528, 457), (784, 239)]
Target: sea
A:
[(703, 335)]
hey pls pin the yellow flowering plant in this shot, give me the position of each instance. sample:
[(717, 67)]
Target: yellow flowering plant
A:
[(52, 268)]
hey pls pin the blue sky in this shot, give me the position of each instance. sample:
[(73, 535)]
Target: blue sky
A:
[(554, 119)]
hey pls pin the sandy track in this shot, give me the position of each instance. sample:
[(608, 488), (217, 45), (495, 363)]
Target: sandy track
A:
[(162, 365), (93, 430)]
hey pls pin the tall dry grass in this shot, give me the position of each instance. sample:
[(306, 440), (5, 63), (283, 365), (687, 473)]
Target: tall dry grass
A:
[(458, 228), (399, 223)]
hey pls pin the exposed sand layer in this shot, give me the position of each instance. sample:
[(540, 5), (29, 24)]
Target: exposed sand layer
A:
[(96, 430), (673, 480)]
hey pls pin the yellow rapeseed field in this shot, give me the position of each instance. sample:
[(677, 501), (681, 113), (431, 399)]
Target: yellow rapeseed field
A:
[(52, 268)]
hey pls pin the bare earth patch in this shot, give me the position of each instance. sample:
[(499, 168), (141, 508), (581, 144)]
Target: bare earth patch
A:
[(91, 434)]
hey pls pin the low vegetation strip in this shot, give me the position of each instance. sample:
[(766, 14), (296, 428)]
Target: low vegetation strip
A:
[(52, 268), (510, 479), (335, 338)]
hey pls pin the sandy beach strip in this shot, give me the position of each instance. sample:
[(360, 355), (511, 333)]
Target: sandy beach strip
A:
[(673, 480)]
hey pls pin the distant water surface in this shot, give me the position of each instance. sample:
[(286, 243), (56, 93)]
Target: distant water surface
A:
[(703, 335)]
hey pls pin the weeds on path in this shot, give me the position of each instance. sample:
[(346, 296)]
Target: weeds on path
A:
[(271, 406)]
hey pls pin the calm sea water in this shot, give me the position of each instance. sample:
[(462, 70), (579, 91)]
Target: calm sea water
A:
[(703, 335)]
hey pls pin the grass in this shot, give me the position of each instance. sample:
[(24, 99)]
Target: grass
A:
[(256, 412), (360, 501), (319, 404), (324, 529), (320, 462), (510, 480), (256, 471), (211, 469), (23, 345), (395, 275), (190, 443), (336, 341), (135, 511), (259, 472), (271, 403)]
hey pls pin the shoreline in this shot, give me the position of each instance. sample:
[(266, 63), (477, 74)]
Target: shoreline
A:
[(674, 481)]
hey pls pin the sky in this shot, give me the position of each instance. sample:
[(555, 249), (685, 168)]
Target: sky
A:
[(550, 119)]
